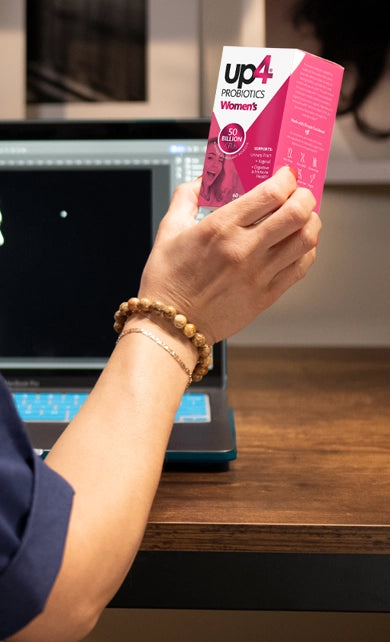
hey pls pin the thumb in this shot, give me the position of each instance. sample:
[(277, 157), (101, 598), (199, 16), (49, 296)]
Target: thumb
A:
[(183, 208)]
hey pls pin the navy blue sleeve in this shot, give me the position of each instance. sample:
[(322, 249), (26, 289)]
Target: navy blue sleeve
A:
[(35, 505)]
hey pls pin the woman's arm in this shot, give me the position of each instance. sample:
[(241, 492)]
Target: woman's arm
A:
[(112, 454), (221, 273)]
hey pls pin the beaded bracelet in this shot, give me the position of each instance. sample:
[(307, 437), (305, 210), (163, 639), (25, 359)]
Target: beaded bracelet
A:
[(145, 306)]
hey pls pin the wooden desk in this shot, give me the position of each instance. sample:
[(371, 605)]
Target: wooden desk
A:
[(301, 520)]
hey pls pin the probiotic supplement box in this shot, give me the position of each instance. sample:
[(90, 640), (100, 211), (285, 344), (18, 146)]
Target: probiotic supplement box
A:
[(272, 107)]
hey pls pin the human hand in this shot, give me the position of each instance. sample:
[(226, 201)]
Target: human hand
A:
[(224, 270)]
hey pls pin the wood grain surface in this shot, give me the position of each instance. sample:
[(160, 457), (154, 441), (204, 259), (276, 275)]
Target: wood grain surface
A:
[(312, 473)]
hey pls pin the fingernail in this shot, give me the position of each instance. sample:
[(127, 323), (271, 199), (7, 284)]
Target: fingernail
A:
[(293, 172)]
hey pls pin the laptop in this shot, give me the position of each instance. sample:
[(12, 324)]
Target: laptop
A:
[(80, 203)]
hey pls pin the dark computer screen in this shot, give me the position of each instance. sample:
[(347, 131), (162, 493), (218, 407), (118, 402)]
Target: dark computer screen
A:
[(80, 203), (74, 245)]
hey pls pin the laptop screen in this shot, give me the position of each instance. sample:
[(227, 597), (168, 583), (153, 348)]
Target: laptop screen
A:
[(80, 203)]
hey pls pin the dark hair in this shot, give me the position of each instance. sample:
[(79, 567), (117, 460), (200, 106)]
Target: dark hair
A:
[(357, 36)]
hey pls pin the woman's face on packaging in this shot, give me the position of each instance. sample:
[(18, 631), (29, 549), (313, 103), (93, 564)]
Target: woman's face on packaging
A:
[(213, 164)]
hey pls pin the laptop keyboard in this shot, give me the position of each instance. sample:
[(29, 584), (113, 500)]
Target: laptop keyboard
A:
[(43, 406), (194, 407)]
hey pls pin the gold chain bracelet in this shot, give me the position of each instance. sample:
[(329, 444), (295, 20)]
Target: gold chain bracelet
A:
[(147, 307), (163, 345)]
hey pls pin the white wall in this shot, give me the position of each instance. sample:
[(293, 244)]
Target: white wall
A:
[(345, 298)]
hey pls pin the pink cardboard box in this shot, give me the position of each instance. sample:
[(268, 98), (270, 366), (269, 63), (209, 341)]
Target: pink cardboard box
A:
[(272, 107)]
